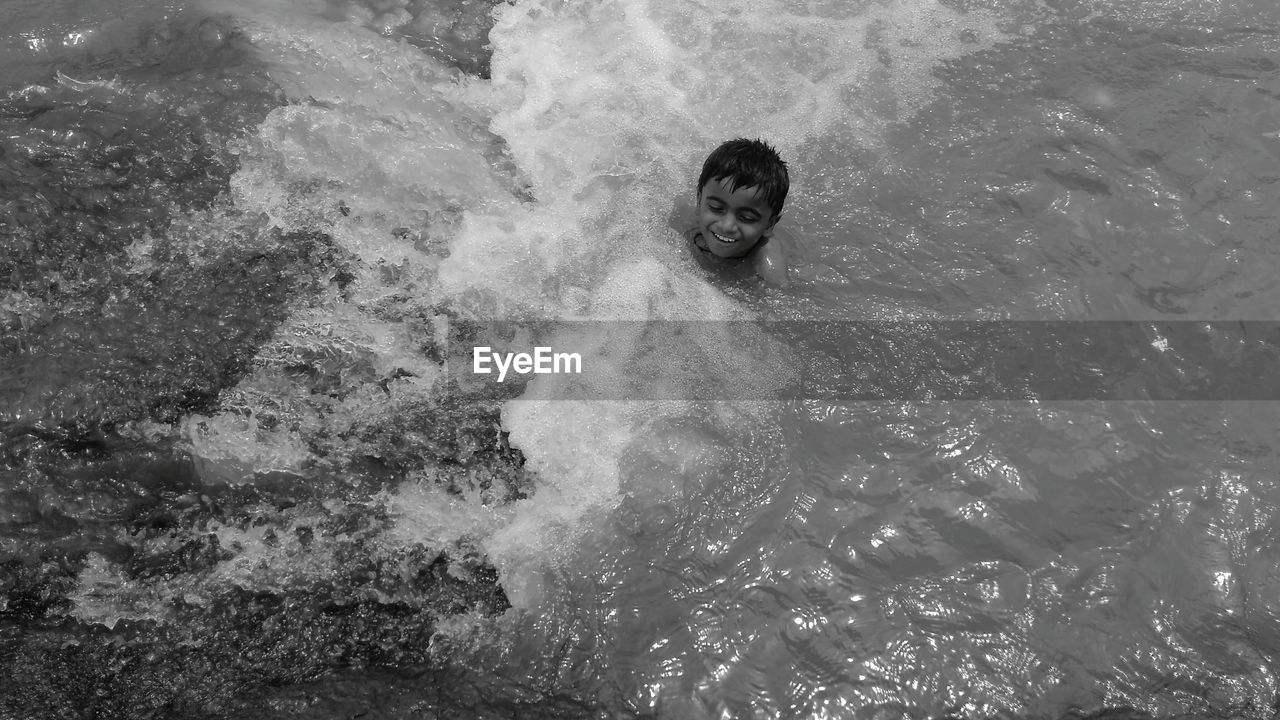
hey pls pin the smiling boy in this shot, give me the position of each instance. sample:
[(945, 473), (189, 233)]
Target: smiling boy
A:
[(740, 195)]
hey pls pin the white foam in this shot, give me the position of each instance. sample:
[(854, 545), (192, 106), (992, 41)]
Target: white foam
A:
[(610, 107), (607, 109), (231, 448)]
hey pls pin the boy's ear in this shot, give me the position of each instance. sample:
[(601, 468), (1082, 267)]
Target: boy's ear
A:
[(768, 231)]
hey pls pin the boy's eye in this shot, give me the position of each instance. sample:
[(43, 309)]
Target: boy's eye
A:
[(748, 218)]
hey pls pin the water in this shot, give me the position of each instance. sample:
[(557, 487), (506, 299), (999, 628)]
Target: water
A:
[(242, 239)]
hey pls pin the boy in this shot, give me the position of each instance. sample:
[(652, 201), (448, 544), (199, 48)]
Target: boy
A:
[(740, 195)]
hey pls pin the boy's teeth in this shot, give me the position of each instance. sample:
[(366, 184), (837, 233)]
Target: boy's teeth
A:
[(722, 238)]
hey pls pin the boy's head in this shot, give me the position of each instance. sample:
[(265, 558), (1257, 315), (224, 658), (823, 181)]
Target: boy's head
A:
[(740, 195)]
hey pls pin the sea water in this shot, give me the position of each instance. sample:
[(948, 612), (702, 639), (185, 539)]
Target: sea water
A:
[(248, 244)]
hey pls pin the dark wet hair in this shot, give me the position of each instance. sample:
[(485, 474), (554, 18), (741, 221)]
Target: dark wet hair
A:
[(749, 163)]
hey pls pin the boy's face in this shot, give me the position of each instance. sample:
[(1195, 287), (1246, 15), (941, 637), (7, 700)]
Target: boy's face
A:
[(732, 223)]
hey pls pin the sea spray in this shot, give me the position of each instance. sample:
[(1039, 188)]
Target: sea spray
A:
[(545, 193), (345, 231), (512, 225), (640, 91), (451, 194)]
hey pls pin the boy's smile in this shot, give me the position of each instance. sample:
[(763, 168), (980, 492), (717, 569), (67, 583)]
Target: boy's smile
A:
[(732, 223)]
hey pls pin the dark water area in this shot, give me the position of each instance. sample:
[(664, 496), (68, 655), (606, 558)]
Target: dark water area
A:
[(75, 506), (99, 158), (104, 154)]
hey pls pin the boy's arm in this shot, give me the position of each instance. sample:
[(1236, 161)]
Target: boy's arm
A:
[(770, 263)]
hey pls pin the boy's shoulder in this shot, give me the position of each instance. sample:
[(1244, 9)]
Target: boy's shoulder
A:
[(770, 261)]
